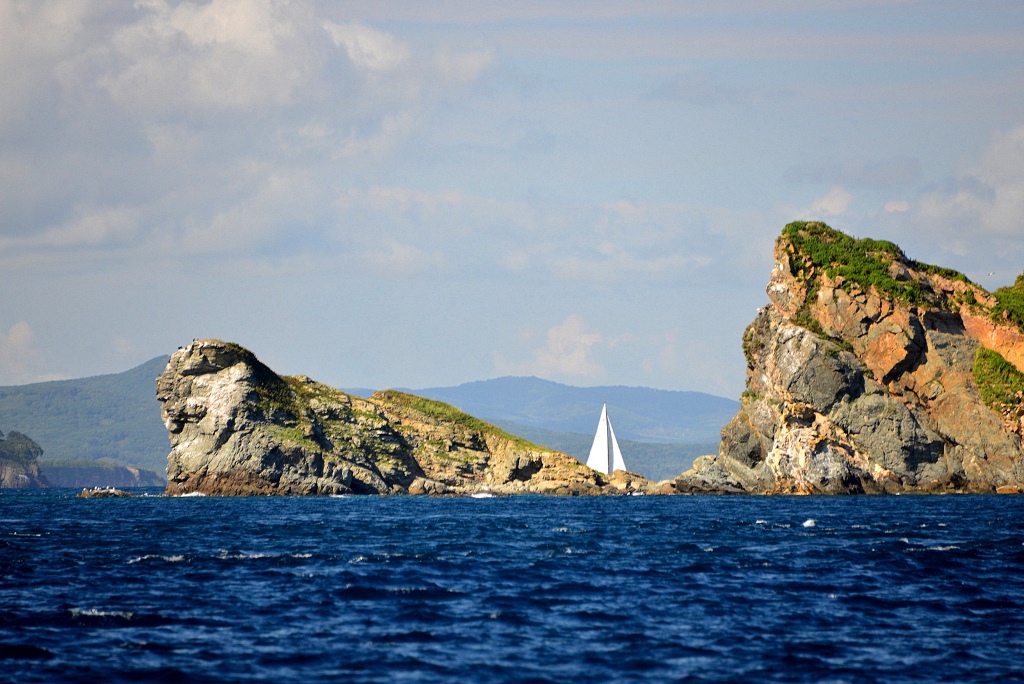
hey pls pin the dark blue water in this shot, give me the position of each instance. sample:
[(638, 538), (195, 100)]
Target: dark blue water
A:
[(367, 589)]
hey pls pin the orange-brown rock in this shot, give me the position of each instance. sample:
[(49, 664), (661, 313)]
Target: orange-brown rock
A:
[(860, 379), (1005, 339)]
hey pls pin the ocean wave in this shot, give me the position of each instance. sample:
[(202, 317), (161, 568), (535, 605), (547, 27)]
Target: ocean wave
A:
[(155, 556), (298, 590)]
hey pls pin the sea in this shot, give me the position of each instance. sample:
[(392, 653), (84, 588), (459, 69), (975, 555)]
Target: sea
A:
[(519, 589)]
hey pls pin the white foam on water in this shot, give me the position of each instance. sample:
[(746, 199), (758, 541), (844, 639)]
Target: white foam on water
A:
[(223, 555), (152, 556), (191, 494), (760, 522), (809, 522), (95, 612)]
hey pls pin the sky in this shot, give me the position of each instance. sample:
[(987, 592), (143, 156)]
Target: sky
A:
[(418, 194)]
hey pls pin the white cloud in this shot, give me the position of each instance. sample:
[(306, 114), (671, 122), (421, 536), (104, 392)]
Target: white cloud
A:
[(612, 262), (34, 36), (368, 49), (883, 174), (834, 202), (631, 240), (991, 194), (221, 55), (20, 360), (568, 352), (88, 227), (621, 241), (107, 226), (429, 215), (394, 127), (897, 207), (978, 216), (392, 258), (463, 67), (123, 346)]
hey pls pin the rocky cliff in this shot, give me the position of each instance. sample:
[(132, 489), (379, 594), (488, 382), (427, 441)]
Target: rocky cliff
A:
[(870, 372), (106, 473), (237, 428), (19, 462)]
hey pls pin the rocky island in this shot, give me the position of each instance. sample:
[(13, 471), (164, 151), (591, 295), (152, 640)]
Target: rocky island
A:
[(869, 372), (238, 428)]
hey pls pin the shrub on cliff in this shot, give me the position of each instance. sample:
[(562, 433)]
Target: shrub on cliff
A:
[(1000, 384), (19, 449), (1011, 302), (447, 413), (863, 262)]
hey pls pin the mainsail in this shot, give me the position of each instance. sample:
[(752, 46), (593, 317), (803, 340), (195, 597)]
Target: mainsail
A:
[(605, 456)]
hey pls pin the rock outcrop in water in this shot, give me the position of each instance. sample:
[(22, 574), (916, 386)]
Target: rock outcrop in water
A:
[(869, 372), (237, 428), (19, 462)]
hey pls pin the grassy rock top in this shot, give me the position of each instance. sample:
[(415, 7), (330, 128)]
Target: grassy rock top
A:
[(1010, 303), (18, 448), (815, 249)]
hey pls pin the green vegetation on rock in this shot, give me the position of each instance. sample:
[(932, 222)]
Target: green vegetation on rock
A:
[(1010, 303), (447, 413), (864, 262), (19, 449), (950, 273), (1000, 384)]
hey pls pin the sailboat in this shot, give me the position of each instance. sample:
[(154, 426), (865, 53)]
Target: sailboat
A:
[(605, 456)]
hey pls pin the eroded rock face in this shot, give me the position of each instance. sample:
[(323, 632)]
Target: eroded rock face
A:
[(237, 428), (18, 476), (851, 389), (19, 462)]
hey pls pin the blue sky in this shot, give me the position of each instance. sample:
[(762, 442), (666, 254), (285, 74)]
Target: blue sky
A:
[(418, 194)]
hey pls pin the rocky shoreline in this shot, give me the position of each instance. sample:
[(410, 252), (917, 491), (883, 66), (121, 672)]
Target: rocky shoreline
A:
[(237, 428)]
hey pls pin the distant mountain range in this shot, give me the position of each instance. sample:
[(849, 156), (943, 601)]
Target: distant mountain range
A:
[(113, 417), (117, 417), (660, 431), (638, 413)]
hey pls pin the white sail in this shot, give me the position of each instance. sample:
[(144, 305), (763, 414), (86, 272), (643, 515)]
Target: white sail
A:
[(605, 456)]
